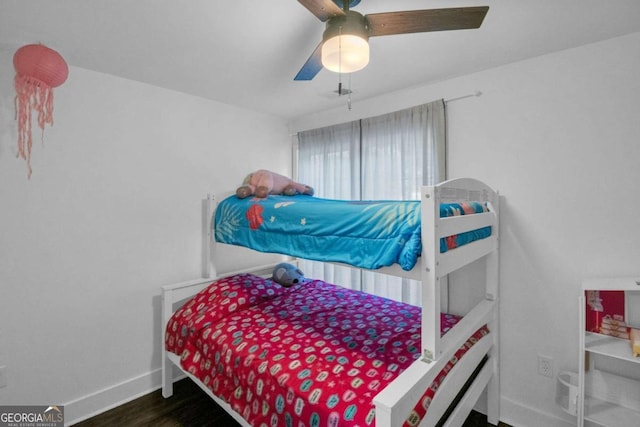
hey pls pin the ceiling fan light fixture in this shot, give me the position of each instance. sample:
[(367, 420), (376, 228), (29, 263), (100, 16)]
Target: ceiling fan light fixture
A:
[(345, 53), (345, 46)]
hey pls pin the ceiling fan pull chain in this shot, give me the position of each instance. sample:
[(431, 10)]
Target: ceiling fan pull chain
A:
[(349, 94), (340, 62), (340, 51)]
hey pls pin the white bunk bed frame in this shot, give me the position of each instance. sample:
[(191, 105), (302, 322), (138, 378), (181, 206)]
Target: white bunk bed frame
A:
[(397, 400)]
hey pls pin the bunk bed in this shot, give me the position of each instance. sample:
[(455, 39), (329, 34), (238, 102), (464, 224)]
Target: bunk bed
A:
[(318, 354)]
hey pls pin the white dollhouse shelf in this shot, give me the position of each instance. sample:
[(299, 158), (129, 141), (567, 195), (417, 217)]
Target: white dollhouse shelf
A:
[(606, 345), (607, 397)]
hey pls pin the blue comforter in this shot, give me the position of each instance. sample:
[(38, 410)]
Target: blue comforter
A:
[(366, 234)]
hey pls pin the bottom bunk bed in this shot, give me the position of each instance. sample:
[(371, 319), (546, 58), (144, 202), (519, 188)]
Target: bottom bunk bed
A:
[(316, 354)]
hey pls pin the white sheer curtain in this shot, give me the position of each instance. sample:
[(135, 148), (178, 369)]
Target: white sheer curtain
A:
[(401, 151), (329, 161), (385, 157)]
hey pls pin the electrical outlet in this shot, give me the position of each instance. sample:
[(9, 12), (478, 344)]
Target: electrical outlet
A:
[(545, 366), (3, 376)]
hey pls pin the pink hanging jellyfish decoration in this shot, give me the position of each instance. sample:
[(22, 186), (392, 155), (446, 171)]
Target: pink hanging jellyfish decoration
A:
[(38, 70)]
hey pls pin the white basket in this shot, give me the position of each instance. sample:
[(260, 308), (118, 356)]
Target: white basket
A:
[(567, 392)]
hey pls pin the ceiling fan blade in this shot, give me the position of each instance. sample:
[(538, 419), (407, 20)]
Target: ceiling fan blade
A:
[(312, 66), (322, 9), (420, 21)]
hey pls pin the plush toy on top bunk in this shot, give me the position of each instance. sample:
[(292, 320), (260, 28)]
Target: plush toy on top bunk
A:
[(261, 183), (287, 275)]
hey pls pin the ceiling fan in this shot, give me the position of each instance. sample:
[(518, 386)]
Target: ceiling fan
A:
[(345, 48)]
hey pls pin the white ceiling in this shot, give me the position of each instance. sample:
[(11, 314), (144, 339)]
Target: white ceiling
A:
[(246, 52)]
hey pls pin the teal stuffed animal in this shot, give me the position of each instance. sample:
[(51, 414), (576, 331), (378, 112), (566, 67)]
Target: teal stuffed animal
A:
[(287, 275)]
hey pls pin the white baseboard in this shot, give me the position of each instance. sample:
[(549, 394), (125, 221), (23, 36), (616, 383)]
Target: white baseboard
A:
[(515, 414), (111, 397)]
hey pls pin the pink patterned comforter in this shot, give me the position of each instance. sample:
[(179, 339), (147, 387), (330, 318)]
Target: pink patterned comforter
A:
[(311, 355)]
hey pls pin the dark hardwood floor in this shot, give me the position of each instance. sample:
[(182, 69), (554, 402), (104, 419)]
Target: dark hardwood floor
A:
[(188, 407)]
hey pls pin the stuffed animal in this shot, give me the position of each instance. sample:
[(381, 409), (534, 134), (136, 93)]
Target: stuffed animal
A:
[(287, 275), (261, 183)]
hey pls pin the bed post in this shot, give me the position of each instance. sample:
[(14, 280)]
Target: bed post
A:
[(493, 293), (207, 212), (167, 367), (429, 209)]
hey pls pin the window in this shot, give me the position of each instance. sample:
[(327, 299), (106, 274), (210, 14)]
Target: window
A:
[(384, 157)]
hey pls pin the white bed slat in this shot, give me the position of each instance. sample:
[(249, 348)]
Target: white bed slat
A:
[(481, 314), (394, 270), (457, 258), (180, 291), (451, 225)]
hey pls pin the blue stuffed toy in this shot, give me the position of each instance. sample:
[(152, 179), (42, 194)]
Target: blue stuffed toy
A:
[(287, 275)]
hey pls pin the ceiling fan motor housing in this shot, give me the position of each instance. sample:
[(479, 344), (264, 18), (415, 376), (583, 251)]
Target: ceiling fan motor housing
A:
[(351, 23)]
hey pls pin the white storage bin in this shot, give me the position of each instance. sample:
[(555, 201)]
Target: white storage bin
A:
[(567, 392)]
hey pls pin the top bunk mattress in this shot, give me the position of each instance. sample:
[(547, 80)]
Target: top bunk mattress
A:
[(366, 234)]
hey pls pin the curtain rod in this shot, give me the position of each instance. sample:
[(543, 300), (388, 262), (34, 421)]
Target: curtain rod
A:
[(476, 93), (446, 101)]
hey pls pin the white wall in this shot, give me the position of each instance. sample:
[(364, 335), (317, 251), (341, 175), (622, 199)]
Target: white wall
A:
[(111, 213), (557, 135)]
